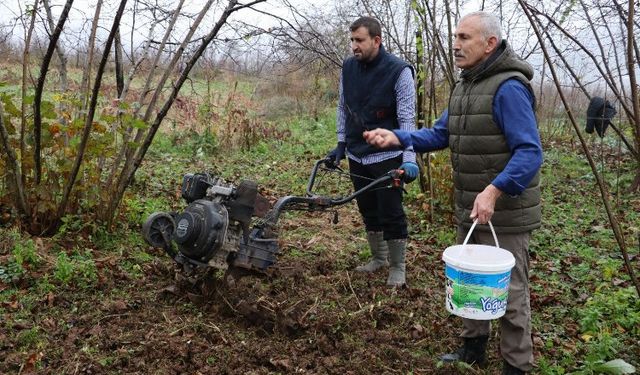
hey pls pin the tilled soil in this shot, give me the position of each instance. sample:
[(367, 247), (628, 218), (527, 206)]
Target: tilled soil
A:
[(311, 314)]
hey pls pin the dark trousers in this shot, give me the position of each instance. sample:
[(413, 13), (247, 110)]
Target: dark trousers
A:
[(381, 208)]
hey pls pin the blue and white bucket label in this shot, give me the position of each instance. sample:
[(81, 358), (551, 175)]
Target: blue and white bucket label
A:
[(481, 296)]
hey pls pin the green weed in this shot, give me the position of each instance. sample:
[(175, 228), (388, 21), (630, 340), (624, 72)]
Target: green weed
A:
[(598, 350), (70, 224), (30, 339), (132, 269), (138, 208), (64, 269), (204, 144), (79, 268), (364, 254), (11, 272), (545, 367), (609, 310), (106, 361), (23, 255), (24, 252), (44, 285)]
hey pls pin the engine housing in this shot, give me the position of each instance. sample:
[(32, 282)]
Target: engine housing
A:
[(213, 230)]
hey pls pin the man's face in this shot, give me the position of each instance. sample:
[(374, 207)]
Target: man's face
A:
[(470, 48), (364, 47)]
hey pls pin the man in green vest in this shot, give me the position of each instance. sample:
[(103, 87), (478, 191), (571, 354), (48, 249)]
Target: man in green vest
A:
[(491, 129)]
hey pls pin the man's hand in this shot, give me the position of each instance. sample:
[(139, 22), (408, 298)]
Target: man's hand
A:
[(411, 171), (485, 203), (333, 158), (381, 138)]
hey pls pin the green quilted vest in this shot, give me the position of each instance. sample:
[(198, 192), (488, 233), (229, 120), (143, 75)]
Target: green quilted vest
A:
[(479, 150)]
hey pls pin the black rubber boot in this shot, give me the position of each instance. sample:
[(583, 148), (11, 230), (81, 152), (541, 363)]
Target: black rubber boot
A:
[(507, 369), (473, 351)]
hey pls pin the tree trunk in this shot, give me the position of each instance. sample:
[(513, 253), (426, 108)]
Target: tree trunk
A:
[(635, 94), (37, 101), (25, 70), (119, 64), (15, 175), (176, 57), (122, 97), (124, 150), (129, 153)]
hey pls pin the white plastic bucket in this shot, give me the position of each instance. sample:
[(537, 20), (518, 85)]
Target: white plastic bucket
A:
[(477, 278)]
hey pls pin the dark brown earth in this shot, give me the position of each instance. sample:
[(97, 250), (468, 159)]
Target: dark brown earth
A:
[(312, 314)]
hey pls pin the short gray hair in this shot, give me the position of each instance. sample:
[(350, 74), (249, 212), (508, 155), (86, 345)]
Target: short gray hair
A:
[(489, 24)]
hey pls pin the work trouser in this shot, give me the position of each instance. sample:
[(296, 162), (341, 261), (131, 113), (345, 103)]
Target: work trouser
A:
[(381, 208), (516, 345)]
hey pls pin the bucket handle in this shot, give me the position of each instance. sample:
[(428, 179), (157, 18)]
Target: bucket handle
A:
[(495, 238)]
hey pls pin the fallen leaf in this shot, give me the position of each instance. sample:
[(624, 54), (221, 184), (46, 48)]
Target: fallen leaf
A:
[(13, 304), (21, 325), (617, 367), (281, 363), (95, 330), (50, 299), (195, 298), (48, 323), (119, 306), (618, 282), (417, 331), (30, 364), (171, 289), (537, 341), (313, 240)]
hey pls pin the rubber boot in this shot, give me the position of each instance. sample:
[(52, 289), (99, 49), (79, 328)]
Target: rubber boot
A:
[(396, 262), (379, 253), (508, 369), (473, 351)]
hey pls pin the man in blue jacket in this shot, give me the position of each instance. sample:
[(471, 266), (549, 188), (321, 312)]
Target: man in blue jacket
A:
[(491, 129), (376, 91)]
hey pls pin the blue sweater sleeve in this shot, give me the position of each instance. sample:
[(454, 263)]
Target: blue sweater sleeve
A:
[(513, 113), (427, 139)]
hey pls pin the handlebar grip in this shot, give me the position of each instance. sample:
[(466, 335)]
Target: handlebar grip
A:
[(398, 178)]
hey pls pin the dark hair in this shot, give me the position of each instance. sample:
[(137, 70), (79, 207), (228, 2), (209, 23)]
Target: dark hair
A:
[(371, 24)]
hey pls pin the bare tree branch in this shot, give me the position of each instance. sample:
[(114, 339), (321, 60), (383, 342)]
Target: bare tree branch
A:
[(62, 59), (23, 89), (86, 72), (130, 169)]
